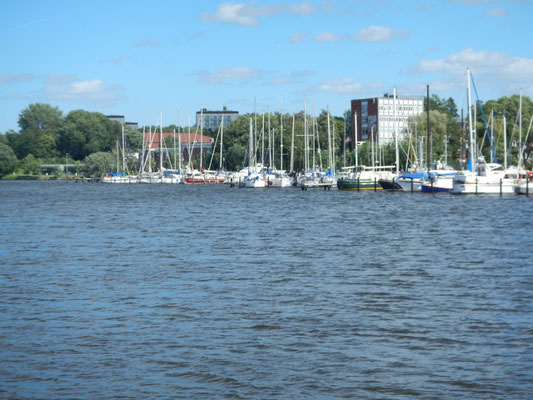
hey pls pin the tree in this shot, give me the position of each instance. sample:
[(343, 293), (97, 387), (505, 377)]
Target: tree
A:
[(438, 126), (97, 164), (86, 132), (39, 128), (30, 165), (8, 160)]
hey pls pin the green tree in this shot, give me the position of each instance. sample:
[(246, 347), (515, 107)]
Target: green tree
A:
[(8, 160), (97, 164), (30, 165), (86, 132), (438, 126), (39, 129)]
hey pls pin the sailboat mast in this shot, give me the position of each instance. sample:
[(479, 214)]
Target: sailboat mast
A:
[(281, 135), (428, 133), (492, 133), (470, 131), (201, 137), (329, 141), (250, 146), (160, 143), (504, 142), (356, 140), (221, 143), (520, 134), (395, 133), (174, 136), (292, 145), (306, 144), (143, 151)]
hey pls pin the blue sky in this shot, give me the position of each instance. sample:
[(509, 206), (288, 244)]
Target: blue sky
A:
[(138, 58)]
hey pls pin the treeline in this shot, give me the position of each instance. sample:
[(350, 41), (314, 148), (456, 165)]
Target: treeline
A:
[(46, 136)]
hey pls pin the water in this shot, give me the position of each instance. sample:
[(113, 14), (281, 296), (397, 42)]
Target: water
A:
[(155, 291)]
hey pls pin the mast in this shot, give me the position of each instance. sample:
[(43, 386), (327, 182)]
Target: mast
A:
[(492, 133), (344, 142), (263, 141), (428, 135), (179, 145), (201, 137), (160, 143), (143, 155), (329, 141), (174, 136), (504, 142), (306, 144), (189, 130), (520, 134), (470, 131), (281, 135), (395, 133), (221, 143), (118, 154), (356, 140), (250, 146), (123, 151), (270, 163), (292, 146)]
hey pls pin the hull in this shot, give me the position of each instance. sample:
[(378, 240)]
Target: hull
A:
[(255, 182), (439, 185), (389, 184), (410, 185), (478, 185), (355, 184)]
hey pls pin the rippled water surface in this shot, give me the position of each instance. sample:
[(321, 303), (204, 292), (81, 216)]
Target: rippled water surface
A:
[(155, 291)]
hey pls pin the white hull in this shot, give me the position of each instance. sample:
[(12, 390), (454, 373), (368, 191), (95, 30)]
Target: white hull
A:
[(119, 179), (256, 181), (474, 184)]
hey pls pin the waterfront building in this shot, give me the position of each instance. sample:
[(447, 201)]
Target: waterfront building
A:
[(212, 119), (377, 115), (190, 143)]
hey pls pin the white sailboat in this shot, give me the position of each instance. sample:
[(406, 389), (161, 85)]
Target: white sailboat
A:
[(482, 177)]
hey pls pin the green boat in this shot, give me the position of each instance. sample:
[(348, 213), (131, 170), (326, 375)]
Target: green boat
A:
[(367, 178), (357, 184)]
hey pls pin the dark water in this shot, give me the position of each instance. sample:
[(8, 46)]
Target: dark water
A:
[(154, 291)]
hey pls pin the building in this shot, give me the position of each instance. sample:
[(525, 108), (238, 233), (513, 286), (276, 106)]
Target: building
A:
[(212, 119), (190, 143), (120, 119), (376, 115)]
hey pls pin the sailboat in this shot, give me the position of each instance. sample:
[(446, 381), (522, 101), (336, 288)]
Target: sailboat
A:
[(481, 177), (120, 176)]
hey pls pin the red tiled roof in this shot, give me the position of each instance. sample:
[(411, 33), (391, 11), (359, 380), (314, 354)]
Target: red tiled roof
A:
[(194, 137)]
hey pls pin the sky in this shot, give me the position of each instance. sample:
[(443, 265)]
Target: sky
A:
[(140, 59)]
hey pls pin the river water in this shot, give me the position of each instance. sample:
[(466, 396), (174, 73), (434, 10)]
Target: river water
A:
[(212, 292)]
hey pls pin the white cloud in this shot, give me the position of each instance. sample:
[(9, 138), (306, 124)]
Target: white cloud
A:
[(328, 37), (380, 34), (225, 75), (498, 68), (304, 8), (68, 88), (7, 79), (346, 86), (293, 77), (248, 14), (496, 12), (298, 37), (484, 62)]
